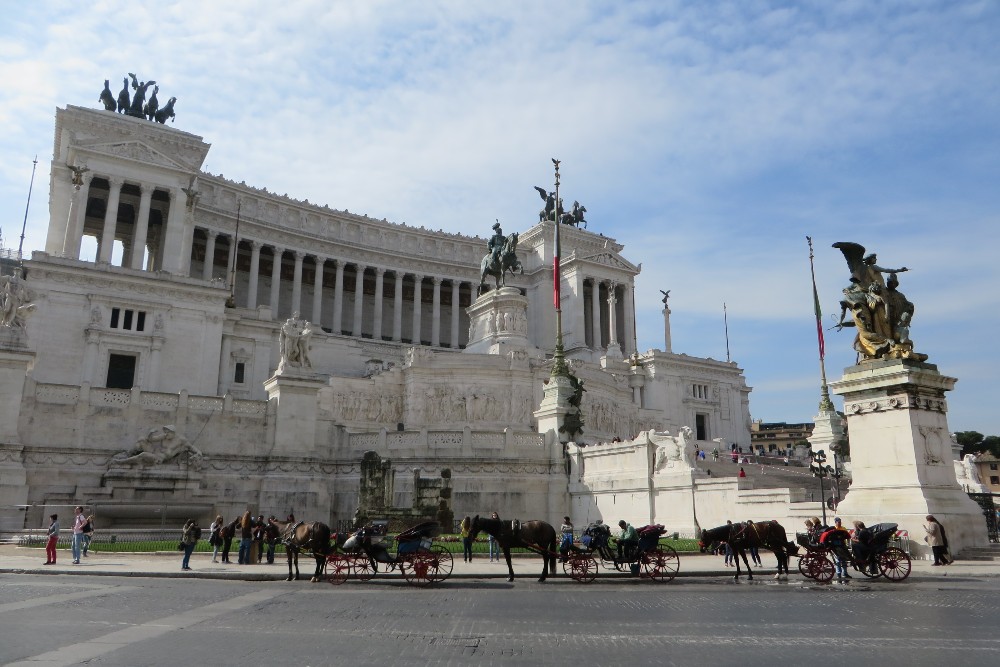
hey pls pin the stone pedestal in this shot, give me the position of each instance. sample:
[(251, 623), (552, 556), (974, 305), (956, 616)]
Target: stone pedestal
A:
[(901, 457), (294, 395), (675, 497), (15, 362), (498, 323)]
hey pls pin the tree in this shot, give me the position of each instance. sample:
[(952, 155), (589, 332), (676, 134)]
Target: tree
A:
[(974, 442)]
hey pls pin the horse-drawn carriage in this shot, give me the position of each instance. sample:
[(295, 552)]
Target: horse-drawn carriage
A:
[(650, 557), (367, 551), (870, 554)]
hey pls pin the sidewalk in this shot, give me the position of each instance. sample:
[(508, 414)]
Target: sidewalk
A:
[(20, 560)]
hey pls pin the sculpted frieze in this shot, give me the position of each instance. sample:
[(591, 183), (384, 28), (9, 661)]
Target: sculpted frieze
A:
[(134, 150), (897, 402)]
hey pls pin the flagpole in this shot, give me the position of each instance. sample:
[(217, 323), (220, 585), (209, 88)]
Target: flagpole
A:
[(825, 404), (558, 357), (725, 319), (24, 225)]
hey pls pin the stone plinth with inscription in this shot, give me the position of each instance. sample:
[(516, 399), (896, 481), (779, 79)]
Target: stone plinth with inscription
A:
[(901, 452), (294, 393), (498, 323)]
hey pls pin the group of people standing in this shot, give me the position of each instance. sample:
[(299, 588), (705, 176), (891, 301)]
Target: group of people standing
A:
[(83, 533)]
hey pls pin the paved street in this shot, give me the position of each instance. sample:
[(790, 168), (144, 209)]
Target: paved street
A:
[(129, 621)]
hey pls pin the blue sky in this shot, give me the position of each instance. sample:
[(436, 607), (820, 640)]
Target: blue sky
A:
[(710, 138)]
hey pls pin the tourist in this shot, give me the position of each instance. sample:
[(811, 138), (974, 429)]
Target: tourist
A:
[(494, 547), (628, 538), (743, 473), (271, 538), (257, 552), (734, 456), (837, 539), (715, 454), (88, 534), (214, 537), (567, 538), (861, 546), (246, 538), (227, 533), (466, 532), (189, 538), (937, 540), (730, 555), (50, 544), (78, 522)]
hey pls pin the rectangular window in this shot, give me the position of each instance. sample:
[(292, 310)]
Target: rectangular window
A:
[(239, 373), (994, 480), (993, 466), (701, 426), (127, 324), (115, 315), (140, 321), (121, 371)]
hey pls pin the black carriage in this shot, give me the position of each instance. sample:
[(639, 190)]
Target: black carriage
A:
[(651, 557), (368, 551), (870, 555)]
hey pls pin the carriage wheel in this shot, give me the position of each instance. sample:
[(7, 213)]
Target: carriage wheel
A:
[(363, 567), (821, 568), (804, 565), (580, 567), (444, 562), (418, 568), (338, 566), (869, 569), (661, 564), (895, 564)]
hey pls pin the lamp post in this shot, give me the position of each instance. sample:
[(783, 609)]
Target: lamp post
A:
[(836, 473), (819, 468)]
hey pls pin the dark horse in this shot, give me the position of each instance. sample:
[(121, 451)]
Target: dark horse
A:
[(301, 536), (536, 536), (763, 535), (499, 266)]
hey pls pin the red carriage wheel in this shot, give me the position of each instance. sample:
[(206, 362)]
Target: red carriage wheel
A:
[(895, 564), (821, 568), (580, 567), (804, 565), (869, 568), (660, 564), (418, 568), (338, 566), (363, 567), (443, 562)]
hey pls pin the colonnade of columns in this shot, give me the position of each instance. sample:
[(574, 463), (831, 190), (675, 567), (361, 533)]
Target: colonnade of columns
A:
[(337, 306), (609, 318)]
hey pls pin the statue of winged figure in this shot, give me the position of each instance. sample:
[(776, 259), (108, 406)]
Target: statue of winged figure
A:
[(879, 311)]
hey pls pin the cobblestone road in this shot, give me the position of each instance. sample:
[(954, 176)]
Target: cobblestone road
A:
[(133, 621)]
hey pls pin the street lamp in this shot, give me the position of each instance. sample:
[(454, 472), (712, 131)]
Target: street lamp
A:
[(819, 468)]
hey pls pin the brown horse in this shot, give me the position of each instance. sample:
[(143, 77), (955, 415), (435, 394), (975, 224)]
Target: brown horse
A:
[(301, 536), (763, 535), (536, 536)]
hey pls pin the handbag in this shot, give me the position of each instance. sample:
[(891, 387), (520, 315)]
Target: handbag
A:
[(180, 546)]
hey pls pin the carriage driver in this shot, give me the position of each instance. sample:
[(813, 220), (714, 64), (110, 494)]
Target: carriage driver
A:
[(628, 538), (496, 242)]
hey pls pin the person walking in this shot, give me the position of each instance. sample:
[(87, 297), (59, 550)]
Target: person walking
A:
[(214, 537), (50, 544), (494, 547), (79, 520), (189, 538), (466, 532), (88, 534), (937, 540)]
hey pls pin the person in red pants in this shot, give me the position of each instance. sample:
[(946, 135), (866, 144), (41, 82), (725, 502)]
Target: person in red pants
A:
[(50, 545)]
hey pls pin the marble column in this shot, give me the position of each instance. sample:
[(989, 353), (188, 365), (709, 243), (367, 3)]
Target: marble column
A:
[(436, 314), (75, 219), (397, 307), (455, 285), (338, 299), (110, 220), (297, 282), (254, 271), (141, 227), (209, 265), (317, 311), (379, 285), (359, 298), (172, 252), (595, 314), (628, 344), (613, 347), (667, 346), (276, 281), (417, 289)]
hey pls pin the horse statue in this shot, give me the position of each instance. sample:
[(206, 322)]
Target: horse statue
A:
[(575, 216), (301, 536), (166, 112), (536, 536), (152, 106), (106, 98), (763, 534), (498, 264), (124, 100)]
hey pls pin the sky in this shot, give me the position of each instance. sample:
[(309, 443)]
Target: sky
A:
[(710, 138)]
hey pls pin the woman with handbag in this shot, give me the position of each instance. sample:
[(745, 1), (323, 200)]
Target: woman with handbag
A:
[(189, 538)]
